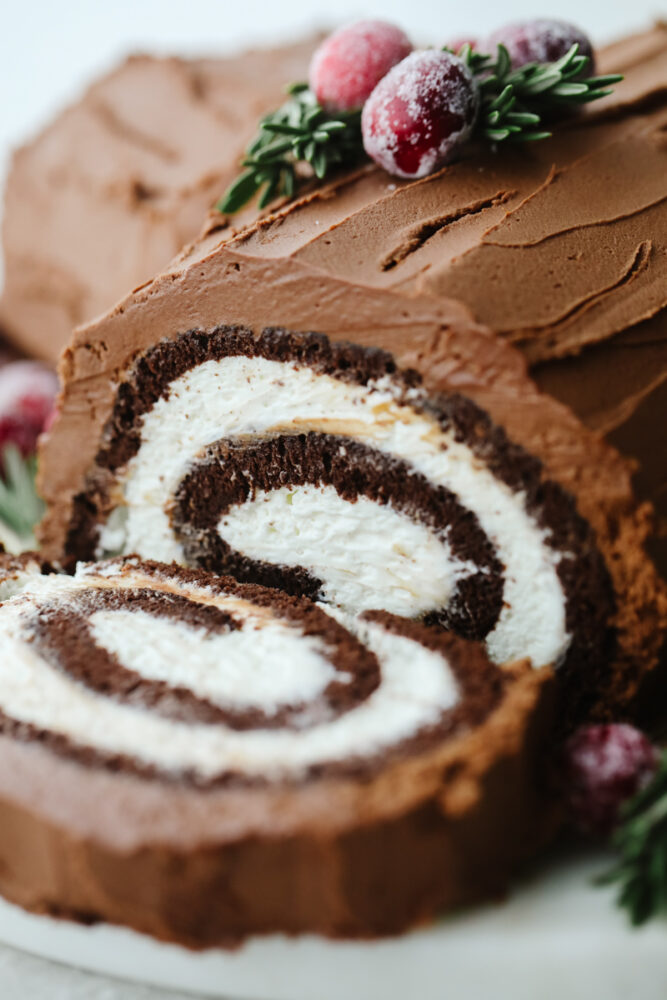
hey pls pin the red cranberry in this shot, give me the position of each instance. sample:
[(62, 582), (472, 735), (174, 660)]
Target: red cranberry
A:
[(604, 766), (27, 394), (421, 111), (349, 63), (541, 40)]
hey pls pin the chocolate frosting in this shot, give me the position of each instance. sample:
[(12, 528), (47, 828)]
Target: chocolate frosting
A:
[(207, 868), (555, 246)]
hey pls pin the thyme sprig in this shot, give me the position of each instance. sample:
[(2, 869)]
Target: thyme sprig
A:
[(20, 505), (514, 104), (641, 842), (300, 131)]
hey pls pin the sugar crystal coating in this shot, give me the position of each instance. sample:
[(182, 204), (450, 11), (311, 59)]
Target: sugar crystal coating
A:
[(27, 393), (348, 64), (540, 40), (420, 113), (605, 765)]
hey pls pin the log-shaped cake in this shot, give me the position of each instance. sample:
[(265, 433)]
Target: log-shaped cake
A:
[(324, 468), (254, 766)]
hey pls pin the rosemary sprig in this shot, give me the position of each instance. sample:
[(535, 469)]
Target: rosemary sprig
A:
[(513, 106), (299, 131), (641, 841), (20, 505), (514, 103)]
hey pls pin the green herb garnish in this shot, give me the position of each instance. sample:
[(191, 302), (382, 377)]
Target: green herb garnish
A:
[(514, 105), (298, 132), (20, 505), (641, 841)]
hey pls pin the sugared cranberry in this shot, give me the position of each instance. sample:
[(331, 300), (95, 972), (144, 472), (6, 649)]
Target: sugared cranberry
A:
[(419, 113), (27, 394), (349, 63), (604, 766), (541, 40)]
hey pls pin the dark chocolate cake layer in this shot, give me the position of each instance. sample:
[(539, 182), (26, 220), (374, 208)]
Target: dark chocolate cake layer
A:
[(270, 777)]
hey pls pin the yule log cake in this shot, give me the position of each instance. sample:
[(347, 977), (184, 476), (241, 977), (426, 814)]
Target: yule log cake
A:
[(559, 247), (360, 784), (189, 432)]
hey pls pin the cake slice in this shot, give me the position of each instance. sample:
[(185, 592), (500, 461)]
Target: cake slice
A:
[(189, 432), (205, 760)]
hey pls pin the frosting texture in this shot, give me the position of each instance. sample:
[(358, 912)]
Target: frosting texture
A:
[(113, 188)]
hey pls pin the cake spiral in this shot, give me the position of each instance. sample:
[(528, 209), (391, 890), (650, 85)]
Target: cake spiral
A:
[(151, 668), (322, 469)]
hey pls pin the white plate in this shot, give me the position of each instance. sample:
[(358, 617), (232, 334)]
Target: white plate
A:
[(557, 938)]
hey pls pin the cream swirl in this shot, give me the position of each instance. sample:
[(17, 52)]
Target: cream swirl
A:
[(319, 468), (160, 670)]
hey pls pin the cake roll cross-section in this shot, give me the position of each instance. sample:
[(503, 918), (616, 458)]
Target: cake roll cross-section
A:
[(323, 469), (398, 459), (203, 759)]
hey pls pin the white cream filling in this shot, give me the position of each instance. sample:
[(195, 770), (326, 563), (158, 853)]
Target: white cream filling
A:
[(368, 555), (238, 668), (417, 686), (252, 396), (13, 584)]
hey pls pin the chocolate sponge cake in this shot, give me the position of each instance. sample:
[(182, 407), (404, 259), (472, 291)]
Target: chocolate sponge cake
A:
[(282, 774), (325, 469)]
